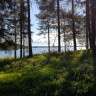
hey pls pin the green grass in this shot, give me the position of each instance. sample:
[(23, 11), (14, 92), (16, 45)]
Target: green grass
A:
[(54, 74)]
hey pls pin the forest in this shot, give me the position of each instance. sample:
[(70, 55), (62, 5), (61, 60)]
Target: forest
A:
[(67, 73)]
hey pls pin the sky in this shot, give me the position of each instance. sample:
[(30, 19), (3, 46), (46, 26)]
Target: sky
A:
[(34, 21), (37, 40), (42, 39)]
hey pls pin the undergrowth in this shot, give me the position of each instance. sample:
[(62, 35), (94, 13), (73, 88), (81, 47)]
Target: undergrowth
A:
[(54, 74)]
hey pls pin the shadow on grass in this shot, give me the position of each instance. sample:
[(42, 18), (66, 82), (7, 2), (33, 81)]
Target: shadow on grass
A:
[(65, 74)]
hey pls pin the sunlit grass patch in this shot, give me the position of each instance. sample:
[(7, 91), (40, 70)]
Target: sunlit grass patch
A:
[(54, 74), (8, 77)]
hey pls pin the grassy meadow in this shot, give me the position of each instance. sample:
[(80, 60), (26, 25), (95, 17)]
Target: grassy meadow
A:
[(54, 74)]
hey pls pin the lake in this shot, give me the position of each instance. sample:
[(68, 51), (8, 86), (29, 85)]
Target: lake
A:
[(36, 50)]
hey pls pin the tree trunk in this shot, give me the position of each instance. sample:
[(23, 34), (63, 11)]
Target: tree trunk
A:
[(88, 28), (23, 42), (93, 27), (21, 28), (15, 56), (48, 39), (29, 31), (15, 48), (58, 15), (73, 26), (87, 22), (64, 42), (23, 47), (64, 38)]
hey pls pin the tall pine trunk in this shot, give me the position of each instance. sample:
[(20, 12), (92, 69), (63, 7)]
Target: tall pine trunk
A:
[(88, 26), (23, 47), (73, 26), (64, 42), (48, 39), (58, 15), (23, 41), (93, 27), (15, 55), (29, 32), (64, 38), (15, 48), (21, 28), (87, 22)]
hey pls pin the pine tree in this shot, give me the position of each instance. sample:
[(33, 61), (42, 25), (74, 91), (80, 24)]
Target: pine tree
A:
[(73, 26), (29, 32), (21, 26), (58, 15), (93, 27)]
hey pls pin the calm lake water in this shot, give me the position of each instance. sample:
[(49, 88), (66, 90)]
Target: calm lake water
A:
[(36, 50)]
